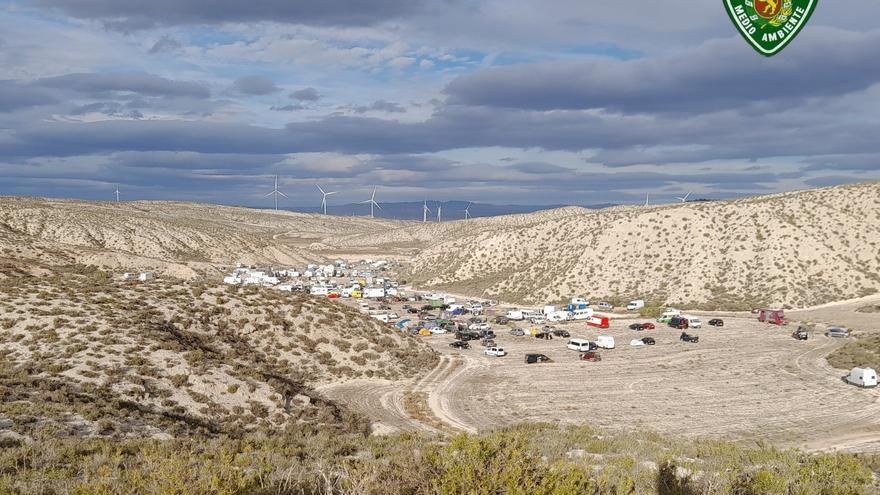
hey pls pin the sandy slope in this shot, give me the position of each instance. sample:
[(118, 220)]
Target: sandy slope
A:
[(797, 249)]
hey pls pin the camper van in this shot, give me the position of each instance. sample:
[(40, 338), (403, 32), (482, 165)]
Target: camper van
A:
[(582, 314), (668, 315), (557, 316), (634, 305), (862, 377), (581, 345), (514, 314), (605, 341)]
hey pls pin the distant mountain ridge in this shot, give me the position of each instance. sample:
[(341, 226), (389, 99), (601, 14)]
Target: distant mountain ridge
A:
[(451, 210)]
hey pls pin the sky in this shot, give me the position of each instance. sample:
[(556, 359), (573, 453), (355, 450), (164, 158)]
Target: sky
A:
[(513, 101)]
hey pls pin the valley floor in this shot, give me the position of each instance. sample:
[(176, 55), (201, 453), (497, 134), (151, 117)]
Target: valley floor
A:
[(745, 381)]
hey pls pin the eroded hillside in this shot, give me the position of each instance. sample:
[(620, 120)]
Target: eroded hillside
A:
[(89, 356), (797, 249)]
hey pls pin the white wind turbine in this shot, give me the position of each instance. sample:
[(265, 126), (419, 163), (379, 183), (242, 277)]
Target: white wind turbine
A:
[(685, 198), (276, 192), (647, 197), (324, 197), (372, 202), (439, 212), (467, 211), (425, 211), (117, 193)]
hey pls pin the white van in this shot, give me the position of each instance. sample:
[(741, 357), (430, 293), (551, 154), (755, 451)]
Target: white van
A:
[(634, 305), (605, 341), (558, 316), (582, 345), (693, 322), (582, 314), (515, 314), (862, 377)]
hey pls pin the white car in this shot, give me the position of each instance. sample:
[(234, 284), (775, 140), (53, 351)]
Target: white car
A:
[(479, 327), (496, 351), (605, 305), (636, 343), (438, 331)]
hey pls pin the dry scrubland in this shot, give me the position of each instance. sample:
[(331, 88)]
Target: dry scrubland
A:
[(795, 249), (183, 386), (85, 355)]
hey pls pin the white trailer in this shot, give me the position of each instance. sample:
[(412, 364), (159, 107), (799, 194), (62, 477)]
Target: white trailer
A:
[(373, 292)]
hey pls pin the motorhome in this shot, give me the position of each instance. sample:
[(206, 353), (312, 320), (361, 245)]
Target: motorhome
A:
[(373, 292), (582, 345), (634, 305), (862, 377)]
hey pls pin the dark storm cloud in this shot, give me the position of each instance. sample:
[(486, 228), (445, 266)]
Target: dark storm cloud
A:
[(306, 94), (719, 74), (14, 96), (287, 108), (243, 163), (129, 15), (132, 82), (255, 86)]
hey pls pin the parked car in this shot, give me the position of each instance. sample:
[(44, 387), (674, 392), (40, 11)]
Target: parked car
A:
[(605, 305), (590, 356), (678, 322), (837, 332), (800, 334), (637, 326), (648, 326), (479, 326), (501, 320), (430, 317), (467, 336), (412, 311), (539, 320), (636, 343), (459, 344), (649, 340), (488, 342), (693, 339), (517, 332), (716, 322), (438, 330), (496, 351), (558, 332), (537, 358)]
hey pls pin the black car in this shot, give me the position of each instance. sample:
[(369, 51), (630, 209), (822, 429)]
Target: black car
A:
[(649, 341), (468, 336), (800, 334), (693, 339), (412, 311), (537, 358), (716, 322), (501, 320), (459, 344), (637, 326), (678, 322), (561, 333)]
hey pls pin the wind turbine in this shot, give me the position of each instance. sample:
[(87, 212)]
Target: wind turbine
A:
[(372, 202), (467, 212), (324, 197), (276, 192), (439, 212), (117, 193), (685, 198), (647, 196), (425, 211)]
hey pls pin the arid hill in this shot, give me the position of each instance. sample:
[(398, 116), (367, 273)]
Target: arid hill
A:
[(796, 249), (86, 355)]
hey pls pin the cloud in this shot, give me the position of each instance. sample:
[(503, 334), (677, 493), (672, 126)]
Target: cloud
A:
[(131, 82), (130, 15), (380, 106), (255, 85), (165, 44), (306, 94), (109, 108), (14, 96), (719, 74), (287, 108)]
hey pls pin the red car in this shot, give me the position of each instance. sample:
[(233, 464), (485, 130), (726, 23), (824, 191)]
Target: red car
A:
[(591, 356), (648, 326)]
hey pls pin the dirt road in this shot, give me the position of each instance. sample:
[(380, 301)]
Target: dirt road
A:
[(745, 381)]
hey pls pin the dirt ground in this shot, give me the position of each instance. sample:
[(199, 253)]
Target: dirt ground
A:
[(746, 381)]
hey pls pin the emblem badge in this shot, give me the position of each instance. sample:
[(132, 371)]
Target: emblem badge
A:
[(769, 25)]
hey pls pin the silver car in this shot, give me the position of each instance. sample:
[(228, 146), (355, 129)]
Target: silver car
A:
[(837, 332)]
